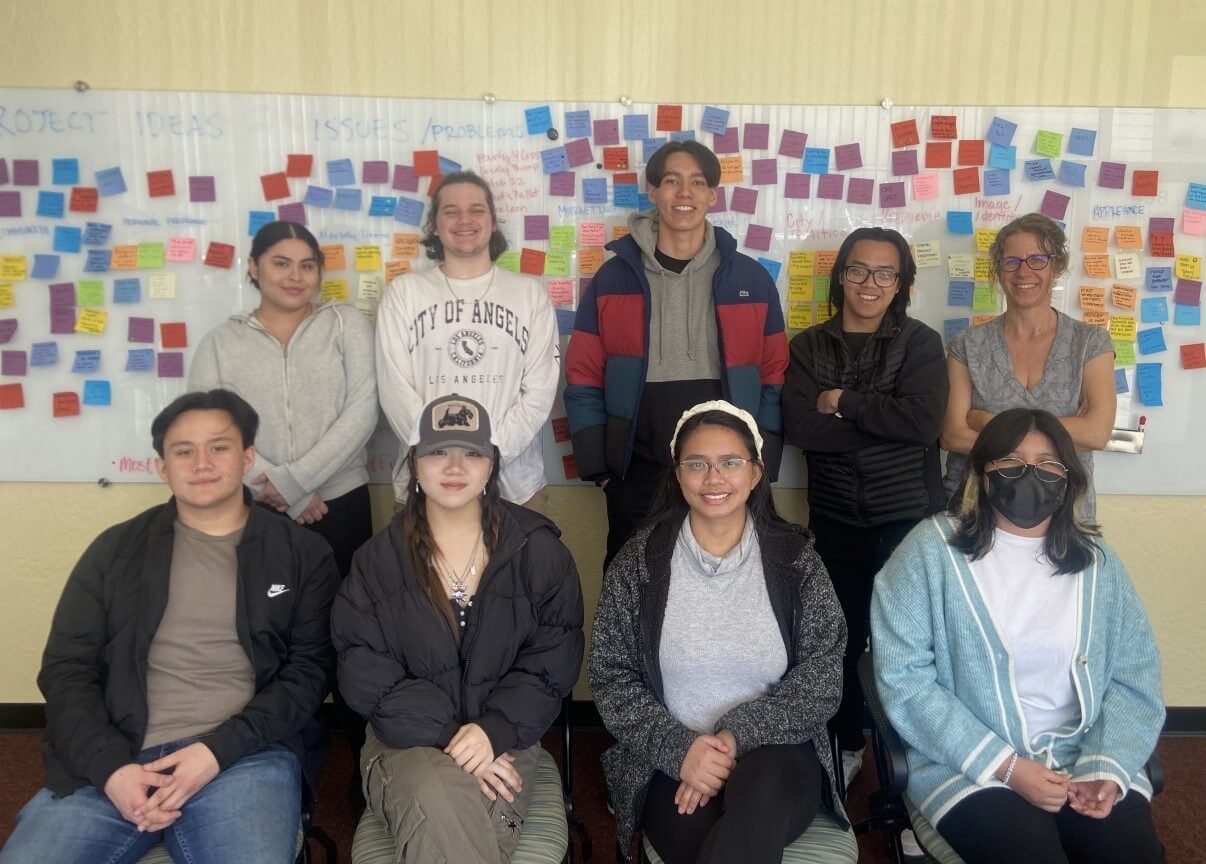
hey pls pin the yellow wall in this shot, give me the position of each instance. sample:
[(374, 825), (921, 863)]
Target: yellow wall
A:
[(926, 52)]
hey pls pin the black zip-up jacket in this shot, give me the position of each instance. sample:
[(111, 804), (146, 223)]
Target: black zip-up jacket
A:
[(94, 669), (879, 461), (402, 669)]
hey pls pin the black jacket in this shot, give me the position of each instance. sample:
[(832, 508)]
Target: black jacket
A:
[(401, 668), (94, 669), (878, 462)]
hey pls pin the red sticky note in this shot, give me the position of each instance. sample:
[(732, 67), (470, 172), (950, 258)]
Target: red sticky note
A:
[(161, 184), (174, 335), (943, 126), (1192, 357), (219, 255), (967, 180), (669, 118), (531, 261), (66, 404), (276, 186), (904, 133), (1145, 183), (938, 154), (11, 396), (1160, 244), (83, 199), (427, 163), (299, 165), (570, 466), (615, 158), (434, 184), (625, 179), (971, 151), (561, 429)]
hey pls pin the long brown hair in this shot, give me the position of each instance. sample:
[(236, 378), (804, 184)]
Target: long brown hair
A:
[(421, 547)]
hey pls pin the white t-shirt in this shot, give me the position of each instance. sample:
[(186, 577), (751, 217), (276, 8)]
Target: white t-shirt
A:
[(1035, 613)]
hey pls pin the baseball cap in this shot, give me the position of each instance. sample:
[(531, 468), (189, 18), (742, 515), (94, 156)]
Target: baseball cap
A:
[(453, 421)]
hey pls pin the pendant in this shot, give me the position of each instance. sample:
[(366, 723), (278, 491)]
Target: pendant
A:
[(459, 595)]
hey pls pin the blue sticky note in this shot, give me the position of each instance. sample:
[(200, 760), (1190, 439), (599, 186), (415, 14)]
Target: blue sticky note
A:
[(1120, 385), (554, 159), (140, 360), (448, 166), (66, 239), (1072, 173), (257, 219), (340, 172), (643, 202), (43, 353), (45, 266), (86, 362), (1187, 316), (577, 124), (97, 392), (636, 127), (1148, 384), (110, 182), (347, 199), (1082, 141), (565, 321), (683, 135), (51, 204), (1151, 340), (951, 326), (1002, 157), (772, 266), (127, 290), (959, 292), (1195, 196), (409, 211), (98, 260), (1000, 131), (816, 160), (1153, 310), (382, 205), (650, 146), (539, 119), (594, 190), (715, 120), (625, 195), (959, 221), (996, 181), (1038, 170), (1158, 279), (318, 196), (65, 172), (96, 233)]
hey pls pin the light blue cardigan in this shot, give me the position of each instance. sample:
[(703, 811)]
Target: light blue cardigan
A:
[(946, 678)]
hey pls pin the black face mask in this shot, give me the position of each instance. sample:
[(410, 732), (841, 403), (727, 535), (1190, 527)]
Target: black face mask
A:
[(1025, 501)]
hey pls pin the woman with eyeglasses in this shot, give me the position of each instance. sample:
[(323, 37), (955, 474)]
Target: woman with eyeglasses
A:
[(1017, 664), (716, 659), (864, 399), (1033, 356)]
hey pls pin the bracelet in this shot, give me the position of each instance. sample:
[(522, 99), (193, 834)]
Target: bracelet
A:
[(1009, 771)]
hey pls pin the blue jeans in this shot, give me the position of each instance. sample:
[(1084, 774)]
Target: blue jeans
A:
[(248, 813)]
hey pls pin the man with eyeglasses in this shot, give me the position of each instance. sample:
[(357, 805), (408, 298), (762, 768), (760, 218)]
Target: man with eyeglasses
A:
[(864, 399)]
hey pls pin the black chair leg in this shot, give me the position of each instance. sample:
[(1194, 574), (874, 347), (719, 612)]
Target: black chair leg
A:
[(330, 849)]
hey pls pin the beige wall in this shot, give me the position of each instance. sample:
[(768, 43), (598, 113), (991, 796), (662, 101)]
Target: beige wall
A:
[(926, 52)]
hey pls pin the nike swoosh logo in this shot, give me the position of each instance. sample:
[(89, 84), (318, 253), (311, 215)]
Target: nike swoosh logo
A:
[(277, 590)]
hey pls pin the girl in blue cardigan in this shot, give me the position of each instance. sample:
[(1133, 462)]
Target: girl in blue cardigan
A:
[(1017, 664)]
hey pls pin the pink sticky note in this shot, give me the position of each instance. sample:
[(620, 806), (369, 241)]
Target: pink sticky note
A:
[(13, 362), (607, 132), (562, 183), (726, 143), (10, 204), (171, 364), (62, 319), (758, 237), (535, 228), (579, 152), (757, 136), (831, 186), (1193, 221), (405, 179), (860, 190), (62, 294), (8, 329), (1188, 293), (720, 205), (181, 249), (141, 330), (1054, 204), (1112, 175), (744, 200), (765, 172), (792, 144), (201, 189), (893, 194), (797, 185), (561, 292), (847, 157), (374, 171), (904, 163), (25, 172), (591, 234), (925, 187)]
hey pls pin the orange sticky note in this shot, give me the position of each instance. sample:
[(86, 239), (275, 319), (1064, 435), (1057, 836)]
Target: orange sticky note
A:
[(66, 404), (938, 154), (1092, 297), (1193, 356), (334, 257), (618, 231), (11, 396), (615, 158), (531, 261), (967, 180), (825, 260), (427, 163), (943, 126), (1094, 238), (1097, 266), (299, 165), (174, 335), (589, 261), (124, 258), (1096, 317), (904, 133), (275, 186), (1128, 237), (971, 151), (1145, 183), (669, 118), (394, 269), (406, 246), (161, 184), (732, 169), (977, 320), (1123, 296), (219, 255), (84, 199)]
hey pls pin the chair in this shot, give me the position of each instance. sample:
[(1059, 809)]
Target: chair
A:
[(825, 842), (890, 807)]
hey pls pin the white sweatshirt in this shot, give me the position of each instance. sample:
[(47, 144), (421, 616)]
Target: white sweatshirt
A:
[(492, 338)]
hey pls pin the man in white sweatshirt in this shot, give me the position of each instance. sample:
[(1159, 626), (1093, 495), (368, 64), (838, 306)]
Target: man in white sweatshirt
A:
[(469, 327)]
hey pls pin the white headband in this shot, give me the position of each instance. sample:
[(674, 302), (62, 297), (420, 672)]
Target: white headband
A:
[(728, 408)]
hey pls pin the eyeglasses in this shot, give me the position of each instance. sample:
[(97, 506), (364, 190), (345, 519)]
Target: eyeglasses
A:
[(858, 275), (1034, 262), (1012, 468), (700, 468)]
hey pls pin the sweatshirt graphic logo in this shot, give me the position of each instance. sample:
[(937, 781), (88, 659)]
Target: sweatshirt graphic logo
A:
[(466, 348), (276, 590)]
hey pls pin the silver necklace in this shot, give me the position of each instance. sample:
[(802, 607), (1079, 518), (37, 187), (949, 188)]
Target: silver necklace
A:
[(459, 593), (448, 285)]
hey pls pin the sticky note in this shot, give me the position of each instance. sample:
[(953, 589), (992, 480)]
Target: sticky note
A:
[(140, 329), (744, 200), (1148, 383), (561, 292), (563, 238), (405, 245), (1145, 184), (553, 159), (219, 255), (982, 271), (959, 292), (800, 288), (758, 237), (960, 266), (561, 183), (1097, 266), (395, 268), (797, 185), (985, 238), (6, 295), (374, 171), (861, 190), (84, 199), (150, 255), (171, 364), (1054, 205), (13, 363), (367, 257), (594, 190), (509, 261), (536, 227), (589, 261), (1193, 356), (1151, 341), (938, 154), (557, 264), (65, 404), (732, 169), (959, 221), (1092, 297), (1158, 279), (1072, 173), (1111, 175), (382, 205), (179, 249), (44, 354), (996, 182), (127, 291), (161, 184), (1001, 131), (799, 316), (829, 186), (816, 160), (409, 211), (1153, 310), (51, 205), (792, 143), (952, 326), (927, 254), (97, 260), (966, 180), (97, 392), (1161, 243), (275, 186), (890, 194), (257, 219), (140, 360), (110, 182), (299, 165), (970, 152), (985, 297), (764, 172), (904, 163), (1188, 267), (1124, 353), (10, 204), (45, 267), (62, 320), (756, 136), (427, 163), (635, 127), (173, 334), (1188, 292), (66, 239), (1123, 296), (539, 119), (625, 195), (65, 172), (1122, 327), (405, 179), (86, 362), (1047, 143), (1038, 170), (577, 124), (1187, 316), (1193, 222), (124, 257), (726, 142), (848, 156), (943, 126), (905, 134), (8, 328), (579, 152), (824, 261), (591, 234), (1081, 141), (161, 286), (90, 292), (1128, 237), (334, 289), (801, 262), (1120, 384), (348, 198)]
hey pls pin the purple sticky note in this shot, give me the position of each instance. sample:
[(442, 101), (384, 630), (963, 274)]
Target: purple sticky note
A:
[(720, 205), (758, 237), (141, 330), (62, 319), (13, 363), (62, 294), (607, 132), (1161, 224), (831, 186), (3, 171), (535, 228), (892, 194), (201, 189), (797, 185), (848, 156), (295, 211), (757, 136), (792, 144), (904, 164), (374, 171), (1188, 293), (744, 200), (171, 364), (726, 143), (10, 204), (8, 328), (764, 172), (1112, 175), (1054, 205), (405, 179), (25, 172), (861, 190), (579, 152), (562, 184)]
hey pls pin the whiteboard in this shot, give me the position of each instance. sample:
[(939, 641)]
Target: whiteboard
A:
[(237, 139)]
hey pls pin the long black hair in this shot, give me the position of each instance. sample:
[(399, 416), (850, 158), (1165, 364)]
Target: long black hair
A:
[(908, 268), (1068, 544)]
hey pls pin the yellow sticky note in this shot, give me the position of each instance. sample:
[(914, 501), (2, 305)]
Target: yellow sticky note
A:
[(369, 287), (1094, 238), (800, 289), (801, 262), (1124, 354), (1097, 266), (406, 246), (589, 261), (161, 286), (928, 255), (334, 257), (368, 258), (335, 289), (1097, 317), (983, 269), (124, 258), (1123, 296), (150, 256), (1092, 297), (984, 238), (394, 269), (92, 321), (1128, 237), (984, 297), (1127, 266), (1189, 267), (799, 316), (90, 292), (508, 261), (1122, 327), (732, 169), (6, 295), (563, 237), (557, 264), (12, 267), (960, 266)]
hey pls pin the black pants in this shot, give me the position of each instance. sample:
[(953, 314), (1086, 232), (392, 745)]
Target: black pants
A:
[(853, 556), (770, 799), (628, 502), (998, 825)]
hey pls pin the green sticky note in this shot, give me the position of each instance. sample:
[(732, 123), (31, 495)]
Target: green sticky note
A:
[(563, 237), (1124, 354), (508, 260), (984, 298), (1048, 143), (557, 264), (90, 292), (150, 256), (820, 288)]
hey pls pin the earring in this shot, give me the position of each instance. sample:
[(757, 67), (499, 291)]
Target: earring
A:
[(483, 491), (417, 489)]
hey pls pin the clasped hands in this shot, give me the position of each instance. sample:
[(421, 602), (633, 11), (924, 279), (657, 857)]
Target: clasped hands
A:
[(471, 750), (316, 508), (151, 796), (1051, 790), (705, 769)]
